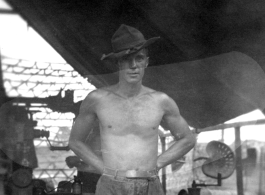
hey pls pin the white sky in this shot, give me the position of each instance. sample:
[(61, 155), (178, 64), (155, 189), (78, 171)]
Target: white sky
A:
[(17, 40), (4, 5)]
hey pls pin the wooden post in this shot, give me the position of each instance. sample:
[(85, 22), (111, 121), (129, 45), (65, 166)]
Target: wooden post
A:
[(238, 150), (164, 185)]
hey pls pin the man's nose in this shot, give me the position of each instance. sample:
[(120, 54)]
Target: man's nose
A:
[(133, 64)]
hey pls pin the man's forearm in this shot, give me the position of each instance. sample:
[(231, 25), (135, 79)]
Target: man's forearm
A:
[(176, 151), (86, 168), (87, 155)]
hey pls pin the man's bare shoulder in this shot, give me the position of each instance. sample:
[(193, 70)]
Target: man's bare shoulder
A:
[(99, 94), (164, 100), (156, 94), (94, 97)]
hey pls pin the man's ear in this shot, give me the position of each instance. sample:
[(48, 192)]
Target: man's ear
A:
[(118, 64), (147, 62)]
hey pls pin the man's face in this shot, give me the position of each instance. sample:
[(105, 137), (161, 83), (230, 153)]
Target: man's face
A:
[(132, 66)]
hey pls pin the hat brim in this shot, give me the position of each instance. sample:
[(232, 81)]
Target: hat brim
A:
[(129, 51)]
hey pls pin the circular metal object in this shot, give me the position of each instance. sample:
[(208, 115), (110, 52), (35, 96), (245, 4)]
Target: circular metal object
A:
[(221, 160), (22, 178)]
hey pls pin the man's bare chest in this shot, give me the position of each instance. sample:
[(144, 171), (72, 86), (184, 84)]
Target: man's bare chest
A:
[(123, 112)]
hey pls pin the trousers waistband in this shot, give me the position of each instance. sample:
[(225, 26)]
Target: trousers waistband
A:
[(130, 174)]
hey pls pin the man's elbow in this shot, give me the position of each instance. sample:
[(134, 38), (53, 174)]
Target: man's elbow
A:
[(72, 144), (192, 139)]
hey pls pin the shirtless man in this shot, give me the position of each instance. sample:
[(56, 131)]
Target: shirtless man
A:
[(129, 115)]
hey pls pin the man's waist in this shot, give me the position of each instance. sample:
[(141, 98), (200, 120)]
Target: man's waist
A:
[(130, 174)]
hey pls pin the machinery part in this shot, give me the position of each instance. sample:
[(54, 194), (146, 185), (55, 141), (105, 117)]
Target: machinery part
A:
[(41, 133), (22, 178), (52, 148), (183, 192), (221, 160)]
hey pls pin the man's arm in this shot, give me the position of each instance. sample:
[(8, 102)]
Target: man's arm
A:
[(81, 129), (74, 161), (179, 129)]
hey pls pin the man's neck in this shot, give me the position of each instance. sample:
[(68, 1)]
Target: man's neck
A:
[(129, 90)]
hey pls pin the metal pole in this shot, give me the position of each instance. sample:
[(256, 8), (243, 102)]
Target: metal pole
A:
[(2, 89), (222, 134), (163, 143), (238, 150), (231, 125), (224, 126), (261, 171)]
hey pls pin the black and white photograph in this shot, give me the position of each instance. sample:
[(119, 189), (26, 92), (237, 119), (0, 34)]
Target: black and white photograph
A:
[(130, 97)]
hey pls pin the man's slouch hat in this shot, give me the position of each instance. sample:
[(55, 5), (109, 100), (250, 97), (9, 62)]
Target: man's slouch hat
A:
[(127, 40)]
